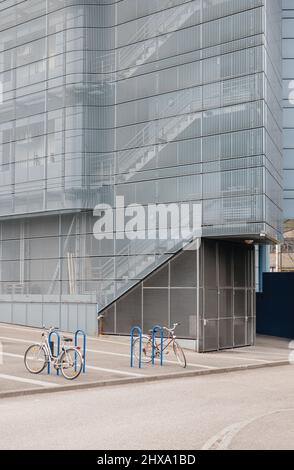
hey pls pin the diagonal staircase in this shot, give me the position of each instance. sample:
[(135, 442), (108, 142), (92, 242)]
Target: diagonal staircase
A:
[(130, 60), (136, 159)]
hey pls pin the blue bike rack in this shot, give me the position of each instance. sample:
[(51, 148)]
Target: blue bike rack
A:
[(58, 349), (82, 333), (155, 329), (139, 331)]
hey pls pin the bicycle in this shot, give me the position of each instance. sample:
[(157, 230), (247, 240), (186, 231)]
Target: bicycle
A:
[(69, 360), (169, 343)]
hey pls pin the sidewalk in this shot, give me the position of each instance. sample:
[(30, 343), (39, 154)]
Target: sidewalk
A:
[(108, 363)]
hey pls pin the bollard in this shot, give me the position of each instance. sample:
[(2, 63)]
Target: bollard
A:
[(139, 330), (57, 352), (155, 329), (82, 333)]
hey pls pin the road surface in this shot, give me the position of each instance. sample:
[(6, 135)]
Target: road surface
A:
[(242, 410)]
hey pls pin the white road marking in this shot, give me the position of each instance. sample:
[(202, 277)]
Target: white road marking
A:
[(108, 341), (165, 360), (265, 352), (109, 353), (226, 355), (17, 340), (223, 439), (39, 329), (103, 369), (13, 355), (21, 328), (114, 371), (241, 358), (223, 355), (29, 381), (126, 343)]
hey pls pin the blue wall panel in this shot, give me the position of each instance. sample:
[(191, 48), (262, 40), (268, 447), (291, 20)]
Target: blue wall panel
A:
[(275, 306)]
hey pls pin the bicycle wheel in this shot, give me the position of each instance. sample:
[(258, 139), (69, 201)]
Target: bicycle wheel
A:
[(71, 363), (35, 359), (180, 355), (146, 355)]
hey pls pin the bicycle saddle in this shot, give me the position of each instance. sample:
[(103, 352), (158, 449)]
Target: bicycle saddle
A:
[(67, 340)]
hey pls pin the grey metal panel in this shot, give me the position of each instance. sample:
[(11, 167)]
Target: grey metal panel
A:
[(155, 308), (129, 311), (288, 76), (226, 334), (240, 302), (72, 317), (183, 309), (251, 331), (218, 306), (183, 270), (159, 278), (6, 312), (64, 317), (82, 317), (209, 263), (239, 267), (91, 320), (19, 313), (108, 323), (51, 315), (240, 333), (225, 265), (35, 314), (227, 306), (210, 335), (226, 303), (211, 303)]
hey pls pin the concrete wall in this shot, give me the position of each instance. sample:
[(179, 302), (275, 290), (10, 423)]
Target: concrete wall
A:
[(68, 317)]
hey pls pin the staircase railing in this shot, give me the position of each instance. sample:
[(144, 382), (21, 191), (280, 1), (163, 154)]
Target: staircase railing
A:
[(129, 58), (182, 110), (177, 17)]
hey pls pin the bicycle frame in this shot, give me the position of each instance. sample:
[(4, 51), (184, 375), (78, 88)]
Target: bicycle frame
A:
[(45, 344), (166, 341), (45, 354)]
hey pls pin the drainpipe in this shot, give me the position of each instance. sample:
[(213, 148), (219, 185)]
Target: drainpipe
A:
[(263, 264)]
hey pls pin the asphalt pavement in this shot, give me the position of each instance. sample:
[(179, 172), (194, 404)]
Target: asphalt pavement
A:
[(108, 363), (252, 409)]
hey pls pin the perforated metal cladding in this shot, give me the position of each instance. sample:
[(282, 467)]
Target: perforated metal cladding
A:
[(211, 315), (157, 101)]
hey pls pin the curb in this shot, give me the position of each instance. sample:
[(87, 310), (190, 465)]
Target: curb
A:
[(135, 380)]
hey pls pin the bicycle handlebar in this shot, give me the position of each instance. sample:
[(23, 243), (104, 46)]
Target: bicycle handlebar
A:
[(169, 329), (51, 328)]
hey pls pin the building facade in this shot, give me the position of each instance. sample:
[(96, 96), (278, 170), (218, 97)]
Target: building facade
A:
[(288, 108), (141, 102), (282, 256)]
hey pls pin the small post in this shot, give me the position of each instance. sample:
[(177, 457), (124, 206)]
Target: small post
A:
[(57, 352), (155, 329), (77, 333), (139, 330)]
